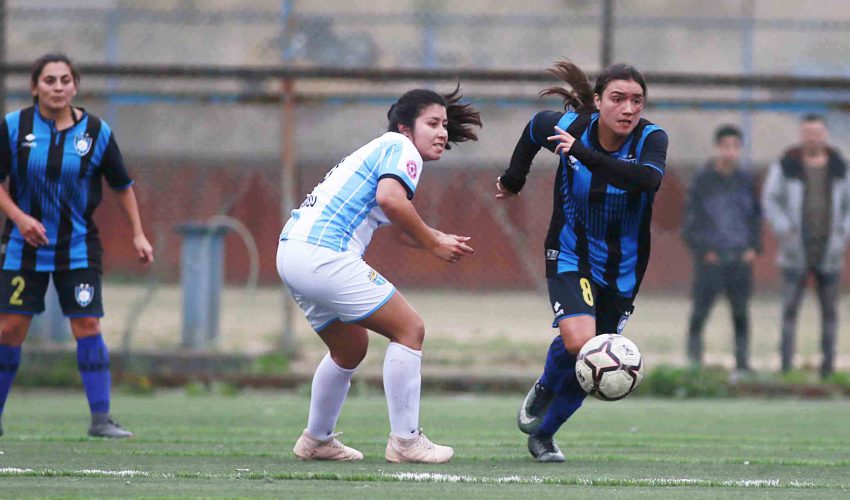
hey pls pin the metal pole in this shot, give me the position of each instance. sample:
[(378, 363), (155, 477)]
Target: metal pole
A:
[(607, 33), (747, 61), (3, 57), (289, 172)]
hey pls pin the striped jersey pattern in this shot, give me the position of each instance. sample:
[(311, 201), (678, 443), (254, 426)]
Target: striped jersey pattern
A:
[(55, 177), (598, 229), (342, 212)]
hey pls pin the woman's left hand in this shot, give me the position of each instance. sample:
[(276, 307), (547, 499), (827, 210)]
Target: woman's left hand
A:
[(565, 141), (144, 250)]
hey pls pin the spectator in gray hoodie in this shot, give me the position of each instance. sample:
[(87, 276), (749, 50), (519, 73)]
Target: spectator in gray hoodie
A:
[(806, 199)]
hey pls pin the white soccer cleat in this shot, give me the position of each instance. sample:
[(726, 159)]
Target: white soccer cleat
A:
[(309, 448), (417, 450)]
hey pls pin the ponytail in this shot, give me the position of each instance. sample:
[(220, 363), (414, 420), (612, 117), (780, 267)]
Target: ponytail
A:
[(580, 94)]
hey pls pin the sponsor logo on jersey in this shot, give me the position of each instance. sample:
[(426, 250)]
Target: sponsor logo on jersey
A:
[(552, 254), (412, 169), (84, 294), (376, 278), (29, 141), (82, 144)]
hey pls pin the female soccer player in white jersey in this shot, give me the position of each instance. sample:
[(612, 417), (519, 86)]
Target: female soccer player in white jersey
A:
[(320, 259)]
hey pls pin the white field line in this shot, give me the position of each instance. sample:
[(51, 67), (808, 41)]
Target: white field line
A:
[(453, 478), (424, 477)]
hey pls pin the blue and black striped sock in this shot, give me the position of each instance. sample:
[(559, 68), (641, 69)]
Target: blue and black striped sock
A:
[(93, 362), (10, 358)]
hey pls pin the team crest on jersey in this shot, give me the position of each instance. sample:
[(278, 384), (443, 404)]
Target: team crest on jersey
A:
[(412, 171), (622, 324), (82, 144), (84, 294), (376, 278), (29, 141)]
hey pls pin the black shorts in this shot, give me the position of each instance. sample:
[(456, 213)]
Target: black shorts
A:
[(576, 294), (80, 292)]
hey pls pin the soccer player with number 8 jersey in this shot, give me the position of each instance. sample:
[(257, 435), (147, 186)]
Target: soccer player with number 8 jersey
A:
[(611, 162)]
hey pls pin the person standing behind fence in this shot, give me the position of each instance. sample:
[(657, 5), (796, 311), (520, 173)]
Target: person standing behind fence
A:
[(320, 258), (611, 163), (806, 198), (55, 155), (722, 228)]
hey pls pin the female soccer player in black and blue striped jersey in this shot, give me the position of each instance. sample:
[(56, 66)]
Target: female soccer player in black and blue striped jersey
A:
[(55, 156), (610, 164)]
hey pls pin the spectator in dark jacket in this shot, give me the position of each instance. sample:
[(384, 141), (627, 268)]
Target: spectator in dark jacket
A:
[(722, 228)]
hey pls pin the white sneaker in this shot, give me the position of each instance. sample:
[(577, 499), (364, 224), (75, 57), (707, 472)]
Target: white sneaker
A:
[(309, 448), (418, 449)]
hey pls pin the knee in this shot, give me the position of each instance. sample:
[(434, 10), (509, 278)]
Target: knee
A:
[(349, 359), (574, 339), (85, 327), (13, 332), (413, 335)]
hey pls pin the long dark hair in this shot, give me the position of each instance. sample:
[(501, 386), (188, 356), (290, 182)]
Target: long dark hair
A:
[(463, 118), (41, 62), (580, 94)]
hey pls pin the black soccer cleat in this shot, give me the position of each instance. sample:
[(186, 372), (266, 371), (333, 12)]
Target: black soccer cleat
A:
[(544, 449), (102, 425), (533, 408)]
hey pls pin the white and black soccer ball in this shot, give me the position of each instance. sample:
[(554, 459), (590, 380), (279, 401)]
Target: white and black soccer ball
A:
[(609, 367)]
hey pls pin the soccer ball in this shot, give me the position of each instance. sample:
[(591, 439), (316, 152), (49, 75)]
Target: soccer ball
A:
[(609, 367)]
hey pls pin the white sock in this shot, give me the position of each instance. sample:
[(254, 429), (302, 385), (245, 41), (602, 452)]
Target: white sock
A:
[(330, 386), (402, 385)]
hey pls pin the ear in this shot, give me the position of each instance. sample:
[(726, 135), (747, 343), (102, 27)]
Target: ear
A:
[(405, 131), (597, 100)]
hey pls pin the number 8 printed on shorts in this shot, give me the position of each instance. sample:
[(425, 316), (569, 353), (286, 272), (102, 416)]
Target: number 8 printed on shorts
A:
[(586, 291)]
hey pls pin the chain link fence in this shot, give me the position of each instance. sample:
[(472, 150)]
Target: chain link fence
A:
[(212, 146)]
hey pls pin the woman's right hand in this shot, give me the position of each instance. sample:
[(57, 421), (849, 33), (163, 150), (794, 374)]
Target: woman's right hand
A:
[(32, 230), (501, 192), (451, 247)]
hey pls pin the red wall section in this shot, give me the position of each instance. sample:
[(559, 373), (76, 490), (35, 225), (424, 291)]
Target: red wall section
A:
[(507, 235)]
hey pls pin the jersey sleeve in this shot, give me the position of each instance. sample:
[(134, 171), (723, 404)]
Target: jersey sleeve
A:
[(112, 166), (534, 136), (5, 151), (625, 175), (654, 152), (403, 163)]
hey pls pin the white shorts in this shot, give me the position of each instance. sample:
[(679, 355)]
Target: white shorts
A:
[(330, 285)]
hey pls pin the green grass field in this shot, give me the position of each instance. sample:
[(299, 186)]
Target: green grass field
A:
[(240, 446)]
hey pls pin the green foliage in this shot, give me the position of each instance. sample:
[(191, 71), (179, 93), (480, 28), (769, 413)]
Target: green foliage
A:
[(225, 389), (272, 363), (60, 370), (195, 388), (797, 377), (692, 382), (133, 383), (841, 379)]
